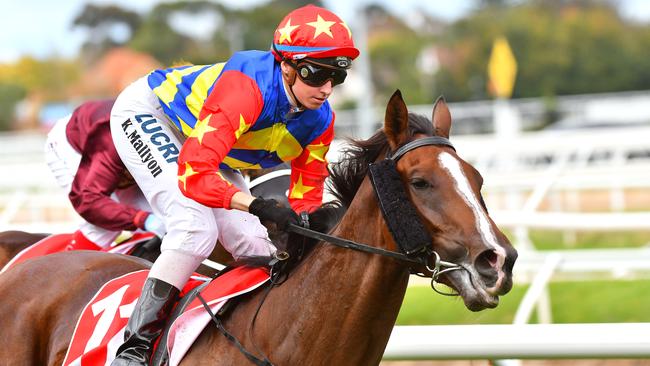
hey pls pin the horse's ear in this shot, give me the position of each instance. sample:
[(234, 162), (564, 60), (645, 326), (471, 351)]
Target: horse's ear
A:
[(396, 121), (441, 118)]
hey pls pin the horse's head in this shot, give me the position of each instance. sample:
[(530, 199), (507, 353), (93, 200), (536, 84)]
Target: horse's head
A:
[(446, 193)]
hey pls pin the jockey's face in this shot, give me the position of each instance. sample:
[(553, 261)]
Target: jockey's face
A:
[(310, 97)]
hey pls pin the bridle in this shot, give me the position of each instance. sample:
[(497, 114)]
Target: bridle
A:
[(399, 213), (415, 246)]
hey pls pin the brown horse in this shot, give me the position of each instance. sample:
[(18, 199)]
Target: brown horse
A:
[(337, 306)]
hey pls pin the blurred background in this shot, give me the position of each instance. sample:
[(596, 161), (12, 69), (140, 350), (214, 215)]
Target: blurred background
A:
[(550, 101)]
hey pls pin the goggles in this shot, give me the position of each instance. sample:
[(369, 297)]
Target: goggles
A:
[(317, 75)]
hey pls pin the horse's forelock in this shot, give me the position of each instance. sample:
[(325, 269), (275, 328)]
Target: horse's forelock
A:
[(420, 125), (347, 174)]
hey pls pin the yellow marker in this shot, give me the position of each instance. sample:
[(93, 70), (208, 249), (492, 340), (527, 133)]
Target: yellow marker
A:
[(502, 69)]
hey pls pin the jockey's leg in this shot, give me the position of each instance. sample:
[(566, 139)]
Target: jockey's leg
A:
[(146, 323), (241, 233), (139, 129), (96, 235), (133, 196), (81, 242), (63, 160)]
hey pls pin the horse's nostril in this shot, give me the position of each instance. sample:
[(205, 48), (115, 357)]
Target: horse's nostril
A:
[(489, 257), (485, 265)]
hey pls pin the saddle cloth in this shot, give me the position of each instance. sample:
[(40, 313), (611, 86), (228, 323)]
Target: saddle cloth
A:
[(100, 328), (48, 245), (57, 243)]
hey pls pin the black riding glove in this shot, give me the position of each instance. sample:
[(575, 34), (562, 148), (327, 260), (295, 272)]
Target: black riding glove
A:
[(271, 210)]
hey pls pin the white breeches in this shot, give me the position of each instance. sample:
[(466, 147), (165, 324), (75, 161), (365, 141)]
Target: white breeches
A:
[(149, 143), (63, 160)]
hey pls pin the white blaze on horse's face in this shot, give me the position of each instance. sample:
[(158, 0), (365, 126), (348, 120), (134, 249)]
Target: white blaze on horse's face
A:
[(452, 165)]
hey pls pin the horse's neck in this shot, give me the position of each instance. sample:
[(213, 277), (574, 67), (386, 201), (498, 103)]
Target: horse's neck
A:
[(337, 307), (349, 300)]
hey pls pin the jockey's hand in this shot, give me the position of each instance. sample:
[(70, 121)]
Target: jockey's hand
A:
[(155, 225), (271, 210)]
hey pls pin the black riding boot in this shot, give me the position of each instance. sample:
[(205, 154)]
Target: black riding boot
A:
[(146, 323)]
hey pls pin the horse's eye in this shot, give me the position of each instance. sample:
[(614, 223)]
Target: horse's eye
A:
[(419, 183)]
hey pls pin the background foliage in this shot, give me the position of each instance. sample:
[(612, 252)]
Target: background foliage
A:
[(562, 46)]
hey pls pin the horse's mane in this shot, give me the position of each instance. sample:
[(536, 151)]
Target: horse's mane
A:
[(346, 176)]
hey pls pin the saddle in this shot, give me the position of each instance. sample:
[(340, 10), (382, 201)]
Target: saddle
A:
[(100, 328)]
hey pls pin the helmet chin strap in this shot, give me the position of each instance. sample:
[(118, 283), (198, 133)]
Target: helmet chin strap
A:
[(290, 79)]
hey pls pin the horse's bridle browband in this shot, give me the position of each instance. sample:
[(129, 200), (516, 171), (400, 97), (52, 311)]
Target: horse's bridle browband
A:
[(425, 141)]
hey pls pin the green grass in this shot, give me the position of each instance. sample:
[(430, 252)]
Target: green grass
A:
[(548, 240), (558, 240), (572, 302)]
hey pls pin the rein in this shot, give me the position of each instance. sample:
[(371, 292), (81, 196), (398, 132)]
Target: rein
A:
[(439, 266)]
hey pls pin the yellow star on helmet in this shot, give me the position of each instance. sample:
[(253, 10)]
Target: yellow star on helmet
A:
[(201, 128), (188, 173), (285, 32), (299, 190), (322, 26), (348, 29)]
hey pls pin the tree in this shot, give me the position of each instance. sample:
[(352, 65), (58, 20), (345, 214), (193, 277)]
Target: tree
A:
[(171, 42), (561, 47), (259, 23), (47, 79), (50, 78), (108, 26), (394, 48), (10, 95)]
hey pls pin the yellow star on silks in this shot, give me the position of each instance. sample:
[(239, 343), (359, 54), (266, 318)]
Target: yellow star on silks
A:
[(322, 26), (188, 173), (243, 126), (299, 190), (201, 128), (285, 32), (348, 29), (317, 152)]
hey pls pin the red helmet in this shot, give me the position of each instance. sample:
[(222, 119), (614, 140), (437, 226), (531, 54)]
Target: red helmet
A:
[(312, 32)]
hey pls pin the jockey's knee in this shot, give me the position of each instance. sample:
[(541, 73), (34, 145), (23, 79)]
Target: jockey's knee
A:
[(249, 244), (199, 238)]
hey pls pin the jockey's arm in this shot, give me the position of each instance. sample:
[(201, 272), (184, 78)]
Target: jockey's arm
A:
[(98, 176), (241, 201), (231, 108), (308, 173)]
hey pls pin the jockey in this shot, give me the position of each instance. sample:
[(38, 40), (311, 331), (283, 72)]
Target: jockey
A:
[(80, 153), (184, 132)]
